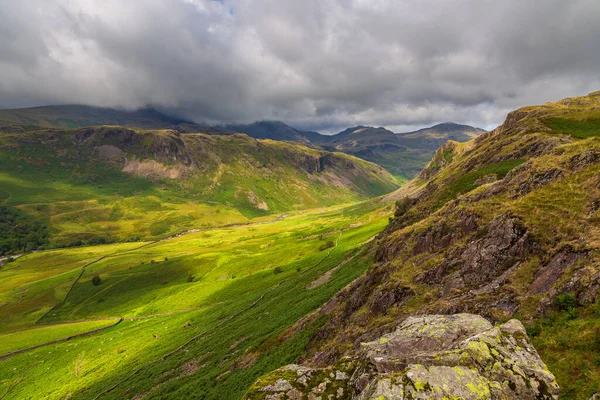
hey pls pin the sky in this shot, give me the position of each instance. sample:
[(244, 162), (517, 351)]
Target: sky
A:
[(314, 64)]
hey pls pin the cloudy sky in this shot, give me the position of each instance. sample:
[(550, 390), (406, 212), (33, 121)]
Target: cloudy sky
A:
[(316, 64)]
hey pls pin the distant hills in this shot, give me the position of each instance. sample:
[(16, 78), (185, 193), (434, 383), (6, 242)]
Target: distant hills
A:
[(432, 138), (402, 154), (76, 116), (116, 183)]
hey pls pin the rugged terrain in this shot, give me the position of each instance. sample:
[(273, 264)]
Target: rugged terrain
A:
[(402, 154), (503, 226), (114, 183), (458, 356)]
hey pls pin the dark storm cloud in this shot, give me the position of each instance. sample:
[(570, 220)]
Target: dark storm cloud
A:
[(318, 64)]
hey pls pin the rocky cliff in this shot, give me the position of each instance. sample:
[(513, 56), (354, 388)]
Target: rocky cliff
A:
[(505, 225)]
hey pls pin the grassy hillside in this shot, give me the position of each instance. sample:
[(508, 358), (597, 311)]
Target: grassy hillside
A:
[(207, 250), (504, 226), (203, 314), (104, 184), (76, 116), (403, 155)]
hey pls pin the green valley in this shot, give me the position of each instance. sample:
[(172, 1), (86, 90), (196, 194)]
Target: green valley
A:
[(160, 254), (221, 302), (143, 263), (106, 184), (299, 200)]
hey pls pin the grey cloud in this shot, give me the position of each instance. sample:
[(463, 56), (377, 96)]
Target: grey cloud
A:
[(316, 64)]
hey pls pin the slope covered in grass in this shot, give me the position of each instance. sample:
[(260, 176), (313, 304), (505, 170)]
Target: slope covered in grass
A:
[(223, 300), (107, 184)]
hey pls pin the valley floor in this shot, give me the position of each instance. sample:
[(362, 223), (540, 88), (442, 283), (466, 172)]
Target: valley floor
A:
[(202, 315)]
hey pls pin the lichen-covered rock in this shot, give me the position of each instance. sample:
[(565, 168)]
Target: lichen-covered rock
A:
[(458, 356)]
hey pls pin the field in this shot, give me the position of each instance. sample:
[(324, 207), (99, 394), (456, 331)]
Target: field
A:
[(203, 314)]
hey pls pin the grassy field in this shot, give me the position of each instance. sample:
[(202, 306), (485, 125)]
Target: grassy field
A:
[(204, 313), (44, 334)]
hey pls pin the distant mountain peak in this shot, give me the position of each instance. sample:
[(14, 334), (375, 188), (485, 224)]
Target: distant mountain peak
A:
[(445, 127)]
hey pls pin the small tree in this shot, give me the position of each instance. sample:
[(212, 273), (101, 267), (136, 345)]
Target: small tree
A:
[(278, 270), (96, 280)]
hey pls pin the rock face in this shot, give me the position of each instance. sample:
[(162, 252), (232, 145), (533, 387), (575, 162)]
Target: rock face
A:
[(458, 356)]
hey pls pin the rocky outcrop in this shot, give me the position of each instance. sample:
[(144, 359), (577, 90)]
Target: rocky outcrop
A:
[(458, 356), (442, 157)]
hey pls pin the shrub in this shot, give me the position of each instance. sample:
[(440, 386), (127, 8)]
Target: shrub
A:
[(534, 330), (277, 270), (565, 302), (327, 245), (96, 280), (191, 278), (572, 313), (402, 206), (20, 232)]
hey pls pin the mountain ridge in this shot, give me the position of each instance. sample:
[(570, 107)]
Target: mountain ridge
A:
[(504, 225), (107, 168), (404, 154)]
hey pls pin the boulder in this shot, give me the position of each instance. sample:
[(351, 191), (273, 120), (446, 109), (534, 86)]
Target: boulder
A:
[(460, 356)]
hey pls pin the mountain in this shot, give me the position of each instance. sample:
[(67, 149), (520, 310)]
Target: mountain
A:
[(76, 116), (432, 138), (479, 278), (404, 155), (505, 225), (380, 146), (89, 181), (275, 130)]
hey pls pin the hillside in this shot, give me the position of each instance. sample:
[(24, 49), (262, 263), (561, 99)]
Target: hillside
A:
[(404, 154), (275, 130), (505, 226), (101, 184), (194, 316)]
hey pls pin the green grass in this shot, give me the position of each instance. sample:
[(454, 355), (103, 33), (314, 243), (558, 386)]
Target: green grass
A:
[(33, 284), (465, 183), (36, 336), (581, 129), (569, 343), (221, 281)]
